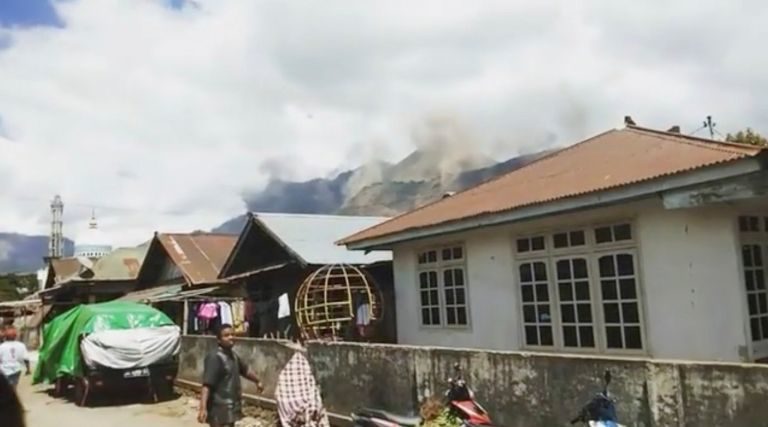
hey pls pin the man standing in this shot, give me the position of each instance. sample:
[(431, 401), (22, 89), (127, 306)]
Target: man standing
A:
[(221, 397), (13, 355)]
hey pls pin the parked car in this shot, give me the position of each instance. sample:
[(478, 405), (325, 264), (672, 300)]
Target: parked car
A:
[(116, 345)]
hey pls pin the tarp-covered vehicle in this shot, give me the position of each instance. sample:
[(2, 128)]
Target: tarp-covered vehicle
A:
[(113, 344)]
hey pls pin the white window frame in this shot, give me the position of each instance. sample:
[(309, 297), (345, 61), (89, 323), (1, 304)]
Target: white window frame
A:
[(440, 266), (552, 309), (753, 238), (592, 251)]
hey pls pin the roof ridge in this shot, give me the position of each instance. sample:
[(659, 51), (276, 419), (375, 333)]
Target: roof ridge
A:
[(712, 144), (484, 183), (310, 215)]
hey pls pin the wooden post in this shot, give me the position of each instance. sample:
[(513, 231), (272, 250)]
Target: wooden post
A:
[(184, 330)]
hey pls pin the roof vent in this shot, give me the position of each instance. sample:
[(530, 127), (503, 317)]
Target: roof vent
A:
[(448, 194), (628, 121), (674, 129)]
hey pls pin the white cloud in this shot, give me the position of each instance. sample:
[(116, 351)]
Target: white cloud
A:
[(170, 114)]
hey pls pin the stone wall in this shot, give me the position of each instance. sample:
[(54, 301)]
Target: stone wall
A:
[(518, 389)]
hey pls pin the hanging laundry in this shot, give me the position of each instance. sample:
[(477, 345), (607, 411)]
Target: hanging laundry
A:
[(208, 310), (226, 314), (284, 309)]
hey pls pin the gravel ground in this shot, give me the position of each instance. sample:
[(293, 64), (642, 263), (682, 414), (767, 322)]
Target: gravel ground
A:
[(45, 411)]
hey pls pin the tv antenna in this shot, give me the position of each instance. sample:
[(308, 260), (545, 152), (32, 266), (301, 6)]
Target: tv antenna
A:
[(709, 124)]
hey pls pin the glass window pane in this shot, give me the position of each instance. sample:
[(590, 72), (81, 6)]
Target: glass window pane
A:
[(752, 302), (580, 268), (425, 298), (462, 315), (757, 255), (544, 315), (630, 313), (743, 223), (528, 293), (425, 320), (628, 288), (568, 313), (423, 283), (546, 335), (560, 240), (523, 245), (458, 279), (609, 290), (537, 243), (447, 254), (582, 291), (626, 265), (749, 279), (584, 312), (613, 337), (435, 316), (622, 232), (450, 297), (607, 269), (764, 327), (587, 335), (460, 297), (432, 256), (448, 278), (570, 339), (542, 293), (760, 279), (762, 303), (458, 252), (433, 278), (531, 335), (526, 274), (565, 291), (433, 297), (529, 314), (611, 313), (578, 238), (632, 335), (603, 235), (539, 271), (746, 255), (450, 316), (754, 223), (563, 269)]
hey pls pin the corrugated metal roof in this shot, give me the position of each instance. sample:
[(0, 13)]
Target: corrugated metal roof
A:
[(120, 264), (199, 256), (313, 237), (612, 159), (64, 268)]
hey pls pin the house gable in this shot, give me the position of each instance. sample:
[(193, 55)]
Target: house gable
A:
[(158, 268), (257, 248)]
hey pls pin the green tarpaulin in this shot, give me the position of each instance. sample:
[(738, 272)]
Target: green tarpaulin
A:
[(60, 353)]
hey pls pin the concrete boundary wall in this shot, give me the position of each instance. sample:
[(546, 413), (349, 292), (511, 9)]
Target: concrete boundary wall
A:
[(518, 389)]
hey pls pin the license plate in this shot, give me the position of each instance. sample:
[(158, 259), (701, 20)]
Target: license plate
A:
[(136, 373)]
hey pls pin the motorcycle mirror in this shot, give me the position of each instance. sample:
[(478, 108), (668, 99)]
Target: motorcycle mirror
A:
[(607, 377), (456, 367)]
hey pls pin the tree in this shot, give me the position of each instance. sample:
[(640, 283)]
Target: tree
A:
[(748, 137), (15, 287)]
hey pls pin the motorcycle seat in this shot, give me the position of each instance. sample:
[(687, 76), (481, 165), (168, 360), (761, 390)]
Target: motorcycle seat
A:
[(403, 420)]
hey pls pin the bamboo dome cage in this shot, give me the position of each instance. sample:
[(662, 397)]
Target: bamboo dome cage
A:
[(327, 301)]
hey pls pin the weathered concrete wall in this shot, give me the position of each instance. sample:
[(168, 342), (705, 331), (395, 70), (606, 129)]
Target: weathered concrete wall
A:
[(523, 389), (265, 357)]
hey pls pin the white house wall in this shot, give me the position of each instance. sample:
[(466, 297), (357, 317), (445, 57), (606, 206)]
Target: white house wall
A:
[(690, 279)]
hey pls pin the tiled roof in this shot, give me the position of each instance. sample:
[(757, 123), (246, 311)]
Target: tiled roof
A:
[(612, 159), (199, 256)]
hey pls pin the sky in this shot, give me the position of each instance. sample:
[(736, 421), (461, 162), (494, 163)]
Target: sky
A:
[(161, 114)]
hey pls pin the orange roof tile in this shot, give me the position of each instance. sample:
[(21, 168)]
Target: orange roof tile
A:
[(200, 256), (612, 159)]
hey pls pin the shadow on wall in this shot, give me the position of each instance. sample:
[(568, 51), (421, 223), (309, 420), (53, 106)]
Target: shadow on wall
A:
[(518, 389)]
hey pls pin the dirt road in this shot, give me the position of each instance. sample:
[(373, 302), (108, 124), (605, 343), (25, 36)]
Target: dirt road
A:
[(45, 411)]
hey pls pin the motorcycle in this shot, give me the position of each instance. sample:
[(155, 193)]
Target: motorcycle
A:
[(601, 410), (459, 398)]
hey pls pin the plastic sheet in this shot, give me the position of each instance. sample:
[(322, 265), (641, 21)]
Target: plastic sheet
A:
[(131, 348)]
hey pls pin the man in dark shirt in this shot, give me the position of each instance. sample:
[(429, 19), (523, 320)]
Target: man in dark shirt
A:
[(221, 397)]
